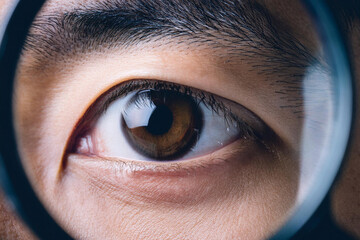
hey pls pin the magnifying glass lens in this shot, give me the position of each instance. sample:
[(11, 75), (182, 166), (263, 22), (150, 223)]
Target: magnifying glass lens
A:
[(184, 120)]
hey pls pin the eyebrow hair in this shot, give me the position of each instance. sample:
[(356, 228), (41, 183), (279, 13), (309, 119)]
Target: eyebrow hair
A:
[(240, 27)]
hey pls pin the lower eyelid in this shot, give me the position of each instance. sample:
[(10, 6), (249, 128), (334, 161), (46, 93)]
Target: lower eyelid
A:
[(168, 182), (248, 120)]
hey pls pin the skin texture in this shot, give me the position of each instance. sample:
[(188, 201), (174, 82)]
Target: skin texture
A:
[(147, 213), (346, 201)]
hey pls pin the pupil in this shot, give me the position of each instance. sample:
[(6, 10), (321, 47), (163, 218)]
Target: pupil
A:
[(160, 120)]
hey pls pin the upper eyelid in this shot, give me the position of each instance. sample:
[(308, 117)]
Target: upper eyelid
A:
[(243, 116), (123, 89), (248, 123)]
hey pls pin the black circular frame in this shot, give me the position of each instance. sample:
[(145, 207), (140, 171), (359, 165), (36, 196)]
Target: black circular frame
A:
[(13, 178), (19, 190)]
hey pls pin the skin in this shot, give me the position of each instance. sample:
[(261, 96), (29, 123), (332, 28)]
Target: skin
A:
[(346, 201), (237, 189)]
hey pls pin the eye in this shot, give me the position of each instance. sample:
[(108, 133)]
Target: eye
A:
[(161, 121), (159, 124)]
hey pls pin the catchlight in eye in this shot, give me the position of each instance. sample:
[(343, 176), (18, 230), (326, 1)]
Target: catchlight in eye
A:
[(158, 121), (161, 124), (269, 147)]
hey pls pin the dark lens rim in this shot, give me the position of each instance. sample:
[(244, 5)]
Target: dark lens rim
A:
[(12, 175), (317, 208)]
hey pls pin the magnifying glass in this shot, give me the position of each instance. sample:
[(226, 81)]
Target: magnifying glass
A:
[(269, 128)]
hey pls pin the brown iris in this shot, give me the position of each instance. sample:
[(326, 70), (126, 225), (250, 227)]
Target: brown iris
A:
[(162, 124)]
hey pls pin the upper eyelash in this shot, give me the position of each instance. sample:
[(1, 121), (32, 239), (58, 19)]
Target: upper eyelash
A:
[(209, 100), (200, 97)]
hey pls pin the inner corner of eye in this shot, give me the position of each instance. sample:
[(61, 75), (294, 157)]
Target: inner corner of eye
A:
[(80, 143), (84, 146)]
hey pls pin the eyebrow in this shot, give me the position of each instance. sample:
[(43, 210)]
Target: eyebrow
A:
[(239, 27)]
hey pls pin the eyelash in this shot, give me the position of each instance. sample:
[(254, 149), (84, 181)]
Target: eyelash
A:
[(209, 100), (199, 96)]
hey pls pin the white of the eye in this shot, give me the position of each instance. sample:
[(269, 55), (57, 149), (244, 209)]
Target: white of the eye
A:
[(215, 133), (110, 140)]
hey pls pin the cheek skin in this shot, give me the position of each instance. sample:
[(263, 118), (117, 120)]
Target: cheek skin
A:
[(229, 211), (11, 228), (206, 178), (90, 208)]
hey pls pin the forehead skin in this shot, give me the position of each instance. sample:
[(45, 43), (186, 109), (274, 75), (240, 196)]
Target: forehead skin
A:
[(346, 202)]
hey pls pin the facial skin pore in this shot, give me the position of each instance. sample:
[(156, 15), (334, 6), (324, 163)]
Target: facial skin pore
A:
[(91, 202)]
